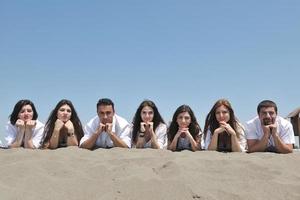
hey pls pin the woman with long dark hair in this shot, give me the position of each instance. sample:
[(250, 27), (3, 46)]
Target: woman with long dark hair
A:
[(222, 131), (149, 129), (184, 131), (63, 127)]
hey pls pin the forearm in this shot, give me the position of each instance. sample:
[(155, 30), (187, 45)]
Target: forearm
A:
[(117, 141), (18, 140), (53, 143), (90, 143), (72, 140), (140, 142), (213, 143), (28, 139), (235, 145), (194, 144), (280, 146), (154, 142), (172, 146), (259, 146)]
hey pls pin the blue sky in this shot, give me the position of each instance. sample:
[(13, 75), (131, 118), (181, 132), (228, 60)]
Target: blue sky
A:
[(172, 52)]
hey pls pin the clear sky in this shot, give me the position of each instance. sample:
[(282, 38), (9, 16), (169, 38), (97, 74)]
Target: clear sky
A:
[(173, 52)]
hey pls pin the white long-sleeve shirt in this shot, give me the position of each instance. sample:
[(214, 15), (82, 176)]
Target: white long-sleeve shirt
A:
[(37, 134), (119, 126), (284, 128)]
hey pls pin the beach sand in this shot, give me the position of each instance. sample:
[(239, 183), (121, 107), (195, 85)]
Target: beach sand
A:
[(73, 173)]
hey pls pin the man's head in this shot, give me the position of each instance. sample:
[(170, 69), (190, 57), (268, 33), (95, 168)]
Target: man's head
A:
[(105, 110), (267, 112)]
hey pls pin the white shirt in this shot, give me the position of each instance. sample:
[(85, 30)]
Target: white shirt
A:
[(242, 139), (284, 128), (161, 134), (119, 126), (37, 134)]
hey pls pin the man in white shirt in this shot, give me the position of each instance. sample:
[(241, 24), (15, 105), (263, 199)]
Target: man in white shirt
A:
[(107, 129), (268, 131)]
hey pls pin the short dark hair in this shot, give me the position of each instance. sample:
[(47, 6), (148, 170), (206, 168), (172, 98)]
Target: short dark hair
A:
[(266, 103), (106, 102), (19, 105)]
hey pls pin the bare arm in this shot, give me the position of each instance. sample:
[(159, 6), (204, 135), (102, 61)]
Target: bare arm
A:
[(53, 143), (258, 145), (19, 139), (194, 143), (90, 142), (280, 146), (235, 145), (71, 137), (213, 145), (28, 143), (154, 142), (172, 145), (117, 141)]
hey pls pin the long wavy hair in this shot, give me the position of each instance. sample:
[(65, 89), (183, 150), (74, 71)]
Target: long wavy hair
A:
[(194, 127), (137, 119), (50, 124), (211, 122), (19, 105)]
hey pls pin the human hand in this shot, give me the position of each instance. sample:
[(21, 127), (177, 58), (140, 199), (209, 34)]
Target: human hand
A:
[(58, 124), (20, 124), (69, 125), (108, 128), (142, 127), (183, 132), (30, 124), (219, 130), (101, 128), (229, 130)]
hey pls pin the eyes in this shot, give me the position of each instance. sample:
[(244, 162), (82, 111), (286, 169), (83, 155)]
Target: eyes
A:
[(265, 113), (108, 113), (65, 110), (26, 110), (224, 112), (147, 113), (186, 118)]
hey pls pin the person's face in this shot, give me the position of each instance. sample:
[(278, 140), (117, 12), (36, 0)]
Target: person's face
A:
[(183, 120), (26, 113), (105, 113), (147, 114), (64, 113), (222, 114), (267, 115)]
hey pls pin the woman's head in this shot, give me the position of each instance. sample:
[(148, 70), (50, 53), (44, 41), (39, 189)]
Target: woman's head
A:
[(24, 110), (184, 118), (146, 112), (63, 111), (220, 112)]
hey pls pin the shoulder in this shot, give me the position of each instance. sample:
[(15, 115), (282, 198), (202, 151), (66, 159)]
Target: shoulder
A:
[(10, 127), (252, 125), (240, 127), (161, 126), (93, 121), (121, 121), (253, 121), (39, 124), (283, 122)]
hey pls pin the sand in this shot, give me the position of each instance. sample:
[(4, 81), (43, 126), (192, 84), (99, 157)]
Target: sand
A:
[(73, 173)]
